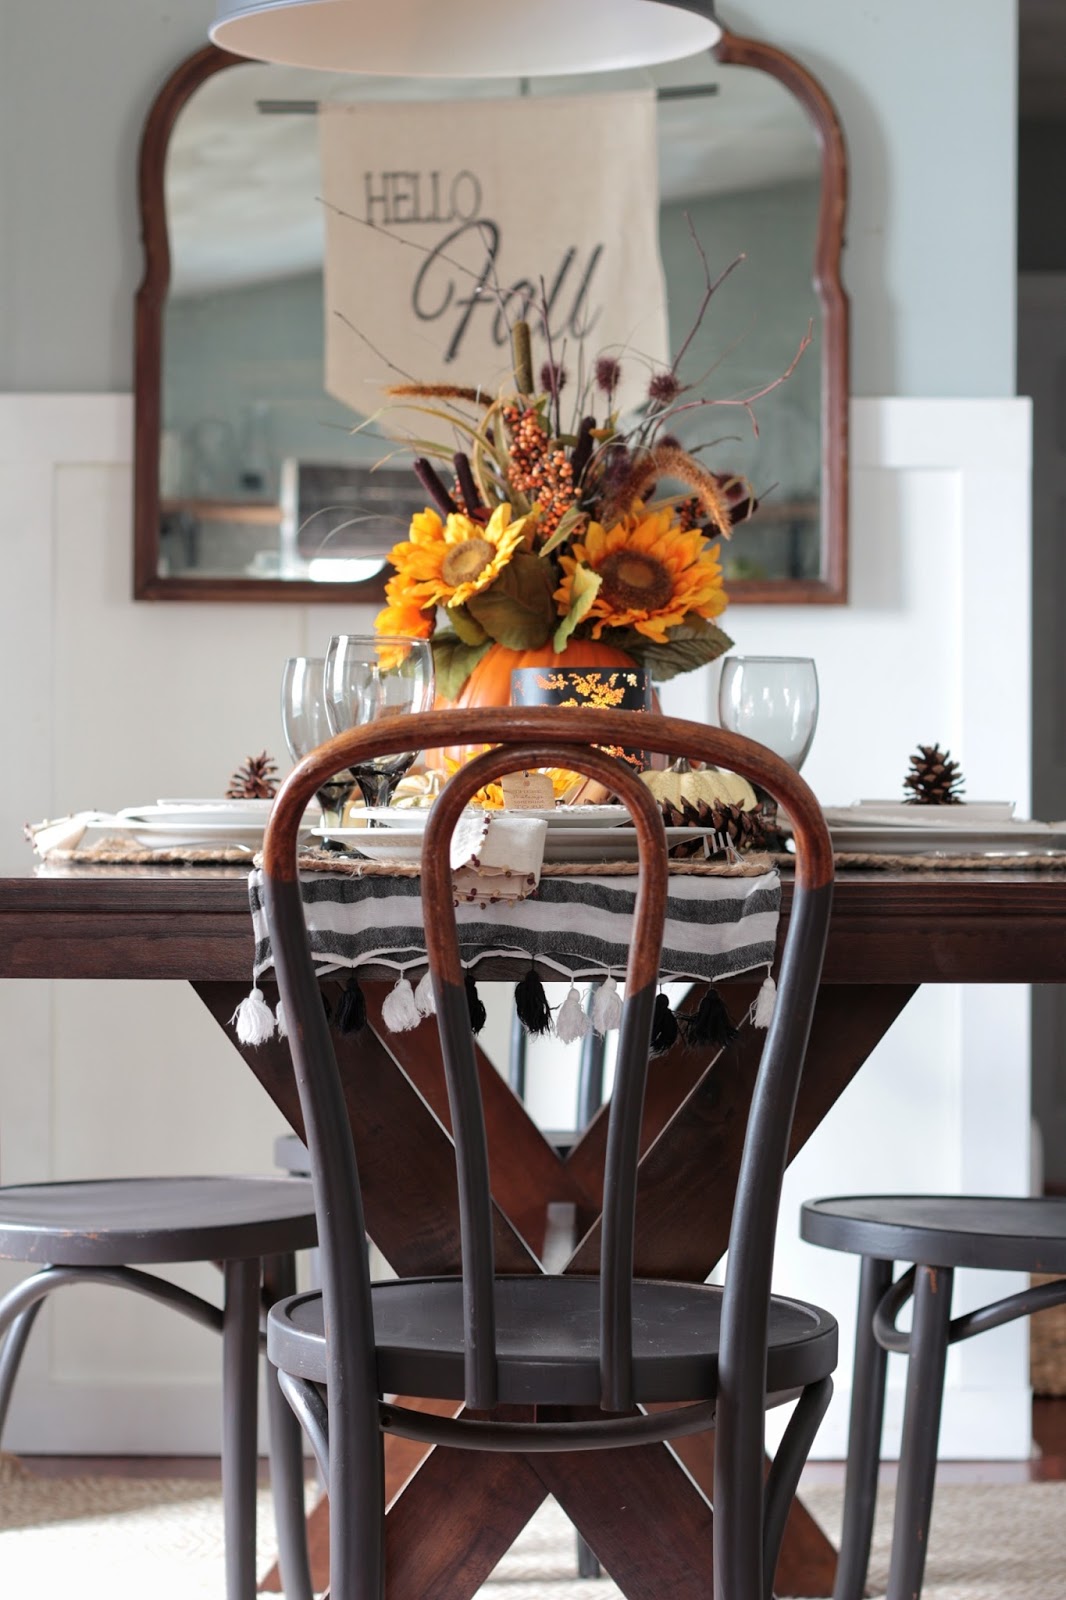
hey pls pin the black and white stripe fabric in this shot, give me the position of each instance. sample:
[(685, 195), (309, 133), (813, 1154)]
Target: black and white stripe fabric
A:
[(580, 926)]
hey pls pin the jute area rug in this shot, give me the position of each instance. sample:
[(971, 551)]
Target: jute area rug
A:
[(123, 1539)]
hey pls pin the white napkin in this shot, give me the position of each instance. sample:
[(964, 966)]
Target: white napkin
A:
[(66, 833), (496, 857)]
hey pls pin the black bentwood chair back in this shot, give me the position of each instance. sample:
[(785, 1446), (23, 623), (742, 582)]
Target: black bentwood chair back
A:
[(610, 1342)]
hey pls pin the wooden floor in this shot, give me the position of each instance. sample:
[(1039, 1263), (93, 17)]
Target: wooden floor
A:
[(1047, 1464)]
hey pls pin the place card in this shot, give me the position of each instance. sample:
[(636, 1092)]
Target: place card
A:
[(527, 791)]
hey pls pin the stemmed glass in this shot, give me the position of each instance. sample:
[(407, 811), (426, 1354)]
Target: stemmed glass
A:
[(303, 718), (369, 677), (773, 699)]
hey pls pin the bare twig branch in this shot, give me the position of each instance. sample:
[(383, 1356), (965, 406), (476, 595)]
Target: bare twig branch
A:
[(708, 292), (747, 402)]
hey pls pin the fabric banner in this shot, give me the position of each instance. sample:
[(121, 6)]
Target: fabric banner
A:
[(447, 222)]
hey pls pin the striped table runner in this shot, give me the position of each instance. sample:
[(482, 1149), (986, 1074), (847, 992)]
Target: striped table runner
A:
[(578, 926)]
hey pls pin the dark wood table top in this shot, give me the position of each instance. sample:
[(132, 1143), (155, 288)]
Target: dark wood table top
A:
[(1005, 926)]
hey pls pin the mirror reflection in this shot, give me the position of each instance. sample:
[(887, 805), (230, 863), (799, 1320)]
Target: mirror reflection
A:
[(260, 473)]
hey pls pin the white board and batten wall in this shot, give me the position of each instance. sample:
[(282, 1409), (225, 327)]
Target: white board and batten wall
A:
[(108, 702)]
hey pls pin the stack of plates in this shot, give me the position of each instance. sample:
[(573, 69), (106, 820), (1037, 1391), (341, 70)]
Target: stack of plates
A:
[(172, 824), (575, 833), (887, 827)]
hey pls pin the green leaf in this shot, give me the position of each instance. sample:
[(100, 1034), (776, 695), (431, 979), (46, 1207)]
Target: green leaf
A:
[(691, 644), (583, 591), (518, 610), (567, 523), (454, 661), (469, 631)]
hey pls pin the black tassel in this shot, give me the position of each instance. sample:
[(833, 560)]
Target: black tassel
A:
[(351, 1008), (710, 1024), (478, 1014), (531, 1004), (326, 1006), (664, 1026)]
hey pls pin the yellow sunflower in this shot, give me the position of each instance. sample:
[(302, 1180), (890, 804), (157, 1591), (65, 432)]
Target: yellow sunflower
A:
[(653, 574), (444, 563), (403, 617)]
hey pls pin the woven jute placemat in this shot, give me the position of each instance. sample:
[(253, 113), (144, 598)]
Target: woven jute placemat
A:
[(843, 859), (117, 853), (345, 866)]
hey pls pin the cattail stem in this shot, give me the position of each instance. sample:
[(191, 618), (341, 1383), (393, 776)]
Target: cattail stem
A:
[(433, 486), (522, 356), (465, 476), (583, 448)]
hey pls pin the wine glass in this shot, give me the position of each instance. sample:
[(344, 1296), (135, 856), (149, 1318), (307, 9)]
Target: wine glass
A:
[(773, 699), (303, 718), (369, 677)]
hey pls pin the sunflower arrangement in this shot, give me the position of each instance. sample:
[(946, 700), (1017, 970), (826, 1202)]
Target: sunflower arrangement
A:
[(539, 531)]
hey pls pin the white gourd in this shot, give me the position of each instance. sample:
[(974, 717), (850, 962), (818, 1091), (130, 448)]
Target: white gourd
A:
[(676, 784)]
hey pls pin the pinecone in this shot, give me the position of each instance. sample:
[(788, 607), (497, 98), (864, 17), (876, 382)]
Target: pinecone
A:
[(256, 780), (743, 829), (934, 779)]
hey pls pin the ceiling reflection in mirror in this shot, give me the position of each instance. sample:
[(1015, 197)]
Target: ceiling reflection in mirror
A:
[(260, 473)]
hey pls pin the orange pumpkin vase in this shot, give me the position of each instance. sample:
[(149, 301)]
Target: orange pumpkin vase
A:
[(490, 682)]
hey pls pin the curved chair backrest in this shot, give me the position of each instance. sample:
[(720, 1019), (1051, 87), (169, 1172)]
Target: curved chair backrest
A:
[(546, 737)]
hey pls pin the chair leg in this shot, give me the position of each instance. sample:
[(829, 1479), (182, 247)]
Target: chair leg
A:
[(240, 1384), (356, 1483), (921, 1428), (11, 1353), (864, 1435), (587, 1564), (286, 1454)]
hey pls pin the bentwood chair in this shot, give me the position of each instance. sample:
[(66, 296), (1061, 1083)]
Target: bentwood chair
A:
[(934, 1234), (105, 1231), (717, 1357)]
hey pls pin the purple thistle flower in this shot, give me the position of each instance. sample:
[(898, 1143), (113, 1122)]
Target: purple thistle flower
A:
[(553, 378), (663, 388), (608, 374)]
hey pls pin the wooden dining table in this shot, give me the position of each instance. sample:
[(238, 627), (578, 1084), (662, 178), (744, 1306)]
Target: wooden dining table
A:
[(646, 1511)]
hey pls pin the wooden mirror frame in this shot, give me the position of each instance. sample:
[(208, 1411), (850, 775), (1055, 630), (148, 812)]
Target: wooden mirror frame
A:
[(830, 588)]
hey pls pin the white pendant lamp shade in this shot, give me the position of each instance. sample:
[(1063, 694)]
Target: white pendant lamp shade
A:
[(466, 38)]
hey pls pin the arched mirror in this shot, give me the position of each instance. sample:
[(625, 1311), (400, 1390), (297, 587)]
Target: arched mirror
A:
[(249, 480)]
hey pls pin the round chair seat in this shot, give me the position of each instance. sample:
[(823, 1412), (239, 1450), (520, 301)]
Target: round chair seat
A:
[(290, 1153), (1025, 1235), (548, 1338), (125, 1221)]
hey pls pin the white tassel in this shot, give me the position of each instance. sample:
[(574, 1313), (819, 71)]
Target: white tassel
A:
[(424, 997), (279, 1017), (399, 1011), (765, 1001), (572, 1022), (607, 1006), (253, 1019)]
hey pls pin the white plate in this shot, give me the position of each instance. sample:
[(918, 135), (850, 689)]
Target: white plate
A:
[(208, 805), (239, 823), (897, 813), (210, 813), (991, 839), (409, 818), (561, 844)]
